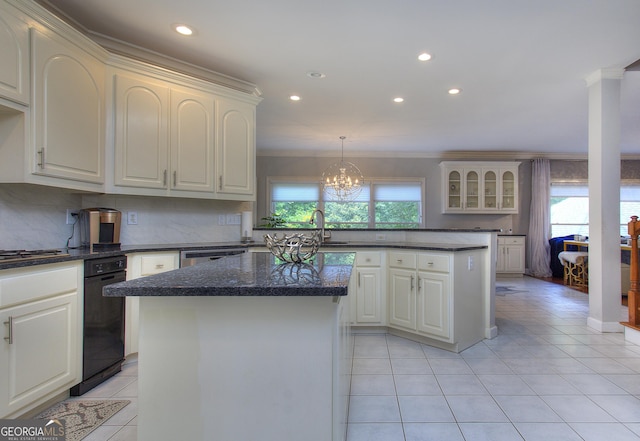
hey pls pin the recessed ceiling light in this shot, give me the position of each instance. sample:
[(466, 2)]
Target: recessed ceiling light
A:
[(315, 74), (183, 29), (454, 91), (294, 98), (424, 56), (398, 100)]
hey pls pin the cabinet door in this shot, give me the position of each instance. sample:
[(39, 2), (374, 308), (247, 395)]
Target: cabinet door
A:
[(236, 148), (14, 53), (192, 142), (491, 188), (514, 261), (141, 133), (41, 355), (68, 110), (453, 190), (509, 186), (402, 309), (434, 305), (472, 190), (368, 296)]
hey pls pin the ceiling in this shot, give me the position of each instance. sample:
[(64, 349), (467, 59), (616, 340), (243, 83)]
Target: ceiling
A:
[(521, 65)]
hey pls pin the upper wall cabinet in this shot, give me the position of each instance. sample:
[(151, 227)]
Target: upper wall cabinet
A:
[(68, 110), (14, 53), (171, 139), (164, 137), (480, 187), (141, 116), (236, 149)]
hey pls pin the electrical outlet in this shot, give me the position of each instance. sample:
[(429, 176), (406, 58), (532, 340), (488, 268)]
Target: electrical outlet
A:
[(71, 214), (470, 263), (221, 219), (234, 219), (132, 218)]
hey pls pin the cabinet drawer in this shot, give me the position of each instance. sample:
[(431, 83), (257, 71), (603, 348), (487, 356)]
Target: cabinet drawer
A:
[(433, 262), (367, 259), (156, 264), (25, 285), (402, 260), (508, 240)]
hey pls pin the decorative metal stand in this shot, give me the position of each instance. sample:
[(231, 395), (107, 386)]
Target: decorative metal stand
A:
[(294, 248)]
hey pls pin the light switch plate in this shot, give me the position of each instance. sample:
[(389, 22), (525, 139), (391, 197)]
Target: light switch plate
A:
[(132, 218)]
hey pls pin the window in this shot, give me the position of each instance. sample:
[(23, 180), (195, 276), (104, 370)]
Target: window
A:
[(381, 204), (570, 208)]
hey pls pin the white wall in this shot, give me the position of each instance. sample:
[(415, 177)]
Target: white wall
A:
[(427, 168)]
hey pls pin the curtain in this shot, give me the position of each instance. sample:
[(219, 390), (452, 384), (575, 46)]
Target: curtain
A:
[(539, 222)]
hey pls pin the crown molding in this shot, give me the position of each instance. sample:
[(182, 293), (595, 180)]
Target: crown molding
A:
[(613, 73)]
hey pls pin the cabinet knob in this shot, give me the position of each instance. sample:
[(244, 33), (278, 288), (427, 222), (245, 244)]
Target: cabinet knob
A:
[(164, 177), (429, 263), (159, 265)]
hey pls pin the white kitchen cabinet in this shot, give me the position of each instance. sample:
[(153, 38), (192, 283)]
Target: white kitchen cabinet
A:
[(14, 53), (141, 110), (236, 149), (434, 296), (41, 312), (369, 307), (192, 141), (143, 265), (68, 110), (480, 187), (402, 294), (181, 141), (511, 255)]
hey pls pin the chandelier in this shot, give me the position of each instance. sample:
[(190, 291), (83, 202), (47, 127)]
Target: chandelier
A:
[(342, 180)]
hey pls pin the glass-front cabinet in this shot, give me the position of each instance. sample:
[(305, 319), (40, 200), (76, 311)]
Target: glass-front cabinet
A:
[(480, 187)]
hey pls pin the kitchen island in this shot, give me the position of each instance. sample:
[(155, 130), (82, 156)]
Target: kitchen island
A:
[(244, 348)]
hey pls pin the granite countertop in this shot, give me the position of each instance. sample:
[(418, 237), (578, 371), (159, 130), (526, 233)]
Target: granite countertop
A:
[(247, 274), (86, 254)]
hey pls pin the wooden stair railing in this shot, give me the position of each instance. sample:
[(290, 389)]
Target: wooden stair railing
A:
[(634, 291)]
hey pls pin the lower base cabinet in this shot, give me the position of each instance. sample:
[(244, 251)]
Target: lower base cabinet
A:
[(367, 301), (41, 357), (437, 296), (143, 265)]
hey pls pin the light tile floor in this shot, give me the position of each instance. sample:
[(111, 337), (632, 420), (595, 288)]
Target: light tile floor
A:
[(546, 377)]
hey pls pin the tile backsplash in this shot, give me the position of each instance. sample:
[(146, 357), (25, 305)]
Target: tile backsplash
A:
[(34, 217)]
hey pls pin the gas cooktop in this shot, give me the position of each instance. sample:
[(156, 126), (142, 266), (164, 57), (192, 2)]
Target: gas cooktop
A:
[(17, 255)]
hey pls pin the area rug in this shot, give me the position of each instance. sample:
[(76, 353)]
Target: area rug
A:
[(504, 290), (83, 417)]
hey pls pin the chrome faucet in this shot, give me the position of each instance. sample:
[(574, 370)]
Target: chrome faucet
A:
[(321, 224)]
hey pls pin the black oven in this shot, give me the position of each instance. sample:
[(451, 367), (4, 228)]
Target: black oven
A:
[(103, 330)]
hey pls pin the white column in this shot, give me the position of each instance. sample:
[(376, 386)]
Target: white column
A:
[(604, 200)]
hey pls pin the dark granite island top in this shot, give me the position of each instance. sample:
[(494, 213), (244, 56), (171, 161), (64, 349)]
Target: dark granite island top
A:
[(248, 274)]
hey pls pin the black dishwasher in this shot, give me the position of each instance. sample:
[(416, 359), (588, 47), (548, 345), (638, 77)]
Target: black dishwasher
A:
[(103, 330)]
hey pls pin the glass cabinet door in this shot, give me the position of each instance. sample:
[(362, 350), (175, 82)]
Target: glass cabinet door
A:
[(455, 184), (472, 186), (490, 190), (508, 190)]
